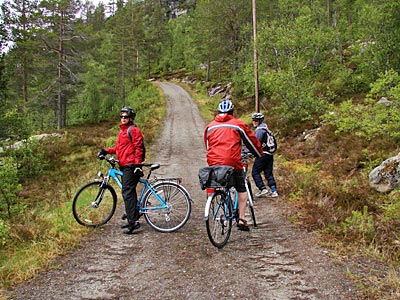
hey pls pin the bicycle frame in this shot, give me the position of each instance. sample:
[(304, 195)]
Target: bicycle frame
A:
[(227, 192), (147, 187), (249, 196)]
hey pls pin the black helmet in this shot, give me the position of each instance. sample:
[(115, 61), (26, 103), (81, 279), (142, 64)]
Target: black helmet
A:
[(257, 117), (225, 106), (131, 113)]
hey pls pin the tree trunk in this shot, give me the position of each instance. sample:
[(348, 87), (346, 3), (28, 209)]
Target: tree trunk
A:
[(208, 76), (60, 122), (135, 57), (123, 74), (329, 11)]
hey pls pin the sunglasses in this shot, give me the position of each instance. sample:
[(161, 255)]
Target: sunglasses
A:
[(124, 117)]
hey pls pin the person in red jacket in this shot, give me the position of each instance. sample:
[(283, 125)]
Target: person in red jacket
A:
[(223, 138), (129, 150)]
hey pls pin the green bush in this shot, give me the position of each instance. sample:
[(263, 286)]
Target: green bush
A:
[(297, 97), (30, 158), (15, 125), (4, 232), (9, 186), (360, 225), (369, 120), (384, 84)]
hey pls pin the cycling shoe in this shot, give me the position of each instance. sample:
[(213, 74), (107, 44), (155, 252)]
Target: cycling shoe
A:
[(132, 227)]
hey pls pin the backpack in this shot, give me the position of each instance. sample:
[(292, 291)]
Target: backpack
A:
[(130, 138), (268, 142)]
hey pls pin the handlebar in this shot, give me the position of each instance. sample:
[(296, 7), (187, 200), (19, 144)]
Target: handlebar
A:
[(112, 161), (247, 155)]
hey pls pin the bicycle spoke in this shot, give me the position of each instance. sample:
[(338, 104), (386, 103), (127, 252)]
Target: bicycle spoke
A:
[(219, 222), (171, 215), (94, 206)]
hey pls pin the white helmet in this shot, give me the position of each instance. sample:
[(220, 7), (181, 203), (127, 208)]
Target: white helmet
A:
[(257, 117), (225, 106)]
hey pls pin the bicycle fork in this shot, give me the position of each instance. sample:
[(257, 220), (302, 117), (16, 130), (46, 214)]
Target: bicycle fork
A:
[(100, 194)]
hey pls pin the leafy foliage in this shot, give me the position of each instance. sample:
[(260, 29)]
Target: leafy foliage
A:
[(30, 158), (9, 186), (360, 225), (387, 84), (310, 55), (370, 119)]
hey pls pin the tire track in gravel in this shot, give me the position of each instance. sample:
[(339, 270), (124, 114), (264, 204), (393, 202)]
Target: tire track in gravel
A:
[(275, 261)]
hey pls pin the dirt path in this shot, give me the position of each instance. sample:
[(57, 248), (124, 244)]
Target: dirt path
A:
[(275, 261)]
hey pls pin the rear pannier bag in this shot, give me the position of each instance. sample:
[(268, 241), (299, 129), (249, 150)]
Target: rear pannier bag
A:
[(215, 176)]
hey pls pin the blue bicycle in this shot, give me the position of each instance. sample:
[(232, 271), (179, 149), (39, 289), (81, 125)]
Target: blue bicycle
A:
[(164, 203)]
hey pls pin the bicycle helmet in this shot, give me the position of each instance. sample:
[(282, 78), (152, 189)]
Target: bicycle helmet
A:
[(259, 117), (131, 113), (225, 106)]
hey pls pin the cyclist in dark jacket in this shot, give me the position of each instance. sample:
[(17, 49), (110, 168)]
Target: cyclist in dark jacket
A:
[(129, 153), (263, 164), (223, 138)]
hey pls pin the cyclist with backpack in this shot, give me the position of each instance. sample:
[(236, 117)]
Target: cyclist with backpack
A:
[(266, 162), (129, 149), (223, 138)]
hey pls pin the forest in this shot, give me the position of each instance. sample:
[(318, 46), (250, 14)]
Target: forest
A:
[(322, 64), (64, 62)]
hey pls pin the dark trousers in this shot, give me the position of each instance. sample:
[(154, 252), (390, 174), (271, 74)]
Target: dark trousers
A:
[(129, 183), (263, 164)]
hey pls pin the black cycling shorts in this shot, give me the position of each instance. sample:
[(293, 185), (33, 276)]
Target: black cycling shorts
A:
[(238, 181)]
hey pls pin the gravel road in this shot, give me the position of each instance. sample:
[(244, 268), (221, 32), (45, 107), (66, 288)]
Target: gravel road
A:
[(275, 261)]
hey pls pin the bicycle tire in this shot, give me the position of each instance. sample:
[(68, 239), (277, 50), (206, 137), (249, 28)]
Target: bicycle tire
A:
[(219, 221), (178, 209), (250, 204), (94, 205)]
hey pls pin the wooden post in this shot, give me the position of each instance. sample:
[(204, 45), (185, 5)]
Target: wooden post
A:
[(257, 104)]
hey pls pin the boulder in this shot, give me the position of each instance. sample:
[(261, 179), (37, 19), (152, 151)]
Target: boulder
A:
[(386, 177), (385, 101), (38, 137)]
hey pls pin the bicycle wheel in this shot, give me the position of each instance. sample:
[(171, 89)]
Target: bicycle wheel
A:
[(250, 203), (176, 211), (219, 221), (94, 205)]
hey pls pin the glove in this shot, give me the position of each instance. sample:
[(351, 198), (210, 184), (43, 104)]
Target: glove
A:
[(102, 153), (138, 171)]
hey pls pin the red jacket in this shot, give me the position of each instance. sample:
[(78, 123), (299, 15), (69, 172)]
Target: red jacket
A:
[(128, 152), (223, 139)]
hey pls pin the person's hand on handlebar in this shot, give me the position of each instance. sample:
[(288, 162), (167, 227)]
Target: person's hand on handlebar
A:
[(102, 154), (246, 155)]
